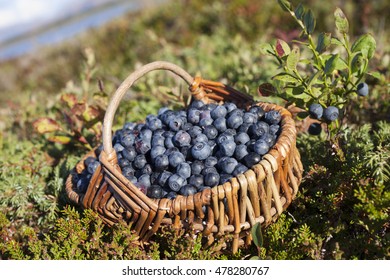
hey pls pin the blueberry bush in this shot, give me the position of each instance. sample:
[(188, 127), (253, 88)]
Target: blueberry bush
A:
[(327, 65)]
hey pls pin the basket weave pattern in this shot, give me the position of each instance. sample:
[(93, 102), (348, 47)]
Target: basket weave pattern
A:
[(260, 194)]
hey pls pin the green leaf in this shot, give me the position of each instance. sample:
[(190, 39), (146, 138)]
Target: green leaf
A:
[(46, 125), (282, 48), (293, 58), (286, 5), (341, 21), (61, 139), (323, 43), (331, 63), (284, 77), (257, 235), (309, 21), (255, 258), (365, 44), (357, 63), (337, 42), (266, 48), (299, 11), (376, 75)]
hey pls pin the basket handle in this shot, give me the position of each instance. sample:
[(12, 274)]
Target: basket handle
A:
[(125, 86), (205, 90)]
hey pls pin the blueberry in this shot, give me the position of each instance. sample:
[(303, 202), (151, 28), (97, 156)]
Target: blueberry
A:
[(193, 116), (227, 164), (196, 180), (118, 148), (175, 182), (220, 124), (331, 113), (241, 138), (153, 123), (200, 151), (234, 121), (199, 138), (128, 171), (184, 170), (261, 147), (315, 129), (230, 106), (132, 179), (205, 121), (186, 151), (171, 195), (273, 117), (167, 116), (162, 180), (144, 180), (249, 118), (171, 150), (139, 161), (181, 139), (175, 159), (239, 169), (146, 135), (123, 162), (227, 148), (211, 179), (196, 104), (210, 161), (316, 111), (258, 129), (258, 111), (168, 142), (224, 137), (240, 152), (274, 129), (158, 140), (210, 169), (142, 146), (362, 89), (156, 151), (187, 190), (82, 184), (162, 110), (269, 139), (175, 124), (210, 131), (186, 126), (196, 167), (129, 126), (127, 140), (147, 169), (224, 178), (218, 112), (251, 159), (244, 127), (155, 191), (195, 130), (161, 162), (88, 161)]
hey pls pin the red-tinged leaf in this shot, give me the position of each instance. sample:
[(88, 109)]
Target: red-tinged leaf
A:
[(46, 125), (61, 139), (79, 108), (282, 48), (82, 139), (69, 99), (91, 113), (266, 89)]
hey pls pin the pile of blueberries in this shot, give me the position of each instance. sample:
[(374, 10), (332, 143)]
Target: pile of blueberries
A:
[(183, 152), (331, 113)]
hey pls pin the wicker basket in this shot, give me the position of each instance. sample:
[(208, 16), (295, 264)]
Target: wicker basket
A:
[(261, 194)]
